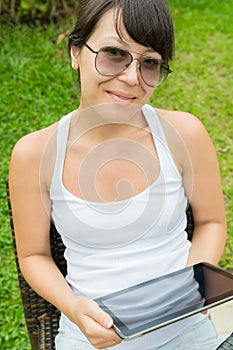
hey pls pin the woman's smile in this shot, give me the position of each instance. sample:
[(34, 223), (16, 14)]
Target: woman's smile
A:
[(121, 97)]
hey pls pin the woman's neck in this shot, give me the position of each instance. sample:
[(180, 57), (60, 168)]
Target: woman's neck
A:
[(107, 122)]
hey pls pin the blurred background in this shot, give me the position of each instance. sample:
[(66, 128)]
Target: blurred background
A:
[(38, 87)]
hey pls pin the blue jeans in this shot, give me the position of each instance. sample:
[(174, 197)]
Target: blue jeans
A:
[(201, 336)]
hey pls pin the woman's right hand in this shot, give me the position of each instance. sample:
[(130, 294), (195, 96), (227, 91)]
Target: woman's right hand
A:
[(95, 324), (31, 206)]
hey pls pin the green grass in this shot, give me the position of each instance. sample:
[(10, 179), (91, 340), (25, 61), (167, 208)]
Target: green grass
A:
[(201, 83), (38, 87)]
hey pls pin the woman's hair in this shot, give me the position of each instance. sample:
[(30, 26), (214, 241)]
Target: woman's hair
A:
[(148, 22)]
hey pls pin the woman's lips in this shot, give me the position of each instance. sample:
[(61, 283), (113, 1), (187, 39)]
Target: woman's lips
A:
[(121, 97)]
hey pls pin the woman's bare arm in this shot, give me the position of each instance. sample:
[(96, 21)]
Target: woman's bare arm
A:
[(31, 214), (206, 198), (195, 157)]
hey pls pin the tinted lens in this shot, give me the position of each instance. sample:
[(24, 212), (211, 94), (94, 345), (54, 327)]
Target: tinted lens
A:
[(112, 60), (153, 71)]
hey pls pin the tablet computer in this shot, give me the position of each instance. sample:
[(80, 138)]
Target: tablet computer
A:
[(156, 303)]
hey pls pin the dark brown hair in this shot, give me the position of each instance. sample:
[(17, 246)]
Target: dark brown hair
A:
[(148, 22)]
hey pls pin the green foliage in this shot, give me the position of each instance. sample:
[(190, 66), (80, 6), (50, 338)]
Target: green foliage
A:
[(27, 6), (201, 83), (37, 8), (38, 87)]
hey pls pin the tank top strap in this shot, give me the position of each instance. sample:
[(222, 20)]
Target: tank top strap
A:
[(62, 138), (167, 163), (154, 123)]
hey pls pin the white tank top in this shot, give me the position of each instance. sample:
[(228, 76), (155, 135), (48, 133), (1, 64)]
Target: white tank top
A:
[(111, 246)]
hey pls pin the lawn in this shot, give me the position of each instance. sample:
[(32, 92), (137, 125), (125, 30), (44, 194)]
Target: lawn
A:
[(38, 87)]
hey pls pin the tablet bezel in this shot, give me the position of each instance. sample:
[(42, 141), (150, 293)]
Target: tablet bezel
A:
[(127, 334)]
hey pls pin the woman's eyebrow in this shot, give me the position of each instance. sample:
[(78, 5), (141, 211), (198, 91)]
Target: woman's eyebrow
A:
[(127, 45)]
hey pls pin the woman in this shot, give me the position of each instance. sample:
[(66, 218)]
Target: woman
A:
[(116, 175)]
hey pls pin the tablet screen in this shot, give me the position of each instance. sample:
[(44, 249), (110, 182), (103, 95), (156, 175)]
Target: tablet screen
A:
[(152, 304)]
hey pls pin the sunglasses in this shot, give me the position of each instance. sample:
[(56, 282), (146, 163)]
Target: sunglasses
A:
[(111, 61)]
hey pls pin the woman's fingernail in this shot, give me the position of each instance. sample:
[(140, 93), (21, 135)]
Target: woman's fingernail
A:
[(108, 322)]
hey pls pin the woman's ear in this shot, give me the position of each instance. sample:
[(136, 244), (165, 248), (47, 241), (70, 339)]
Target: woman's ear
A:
[(74, 52)]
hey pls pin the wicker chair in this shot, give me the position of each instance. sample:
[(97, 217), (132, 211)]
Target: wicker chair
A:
[(42, 318)]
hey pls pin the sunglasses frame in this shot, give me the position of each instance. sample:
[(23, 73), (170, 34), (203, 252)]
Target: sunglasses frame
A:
[(164, 65)]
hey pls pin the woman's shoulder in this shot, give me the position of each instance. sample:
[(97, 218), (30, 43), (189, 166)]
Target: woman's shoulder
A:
[(32, 154), (30, 148), (186, 136), (185, 124), (179, 119)]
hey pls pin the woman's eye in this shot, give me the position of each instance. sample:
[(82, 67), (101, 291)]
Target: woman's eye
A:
[(114, 51), (151, 62)]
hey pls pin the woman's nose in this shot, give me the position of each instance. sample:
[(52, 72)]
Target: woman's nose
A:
[(131, 74)]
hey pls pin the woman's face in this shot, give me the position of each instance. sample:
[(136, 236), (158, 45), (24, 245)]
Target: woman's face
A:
[(127, 87)]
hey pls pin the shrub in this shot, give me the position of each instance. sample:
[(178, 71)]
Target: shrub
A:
[(36, 9)]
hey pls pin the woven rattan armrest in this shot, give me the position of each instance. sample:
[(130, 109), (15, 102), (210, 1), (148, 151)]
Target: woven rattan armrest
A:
[(42, 318)]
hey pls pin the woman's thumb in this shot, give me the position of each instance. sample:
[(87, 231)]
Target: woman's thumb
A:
[(104, 319), (100, 316), (107, 321)]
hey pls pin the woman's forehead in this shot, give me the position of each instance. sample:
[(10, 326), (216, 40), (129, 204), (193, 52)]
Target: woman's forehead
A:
[(110, 28), (109, 22), (106, 33)]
